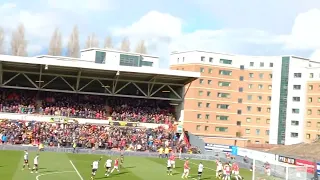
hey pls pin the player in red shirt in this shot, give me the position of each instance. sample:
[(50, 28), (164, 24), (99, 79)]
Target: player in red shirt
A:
[(173, 160), (267, 168), (116, 165), (186, 170), (227, 171), (235, 170)]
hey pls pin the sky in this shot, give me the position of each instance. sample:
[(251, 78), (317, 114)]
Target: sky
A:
[(246, 27)]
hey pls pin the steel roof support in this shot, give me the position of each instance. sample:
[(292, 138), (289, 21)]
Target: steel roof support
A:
[(1, 74), (122, 87), (157, 90), (40, 77), (34, 84), (104, 86), (49, 82), (68, 83), (139, 89), (12, 78), (78, 80), (174, 92), (185, 93), (86, 85), (115, 82)]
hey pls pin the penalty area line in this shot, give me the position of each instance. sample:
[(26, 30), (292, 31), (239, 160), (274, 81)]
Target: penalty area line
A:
[(74, 167), (59, 172)]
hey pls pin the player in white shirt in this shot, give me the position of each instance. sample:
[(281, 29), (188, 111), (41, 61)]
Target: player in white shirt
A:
[(169, 167), (200, 170), (95, 166), (26, 160), (35, 164), (108, 167), (219, 169)]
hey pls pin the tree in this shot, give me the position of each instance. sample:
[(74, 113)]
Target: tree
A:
[(1, 41), (141, 47), (55, 46), (73, 44), (18, 42), (125, 45), (92, 41), (108, 42)]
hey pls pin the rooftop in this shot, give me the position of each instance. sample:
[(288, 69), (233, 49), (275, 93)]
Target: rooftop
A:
[(117, 51)]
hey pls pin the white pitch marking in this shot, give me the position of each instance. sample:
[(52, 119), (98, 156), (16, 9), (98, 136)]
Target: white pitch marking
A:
[(61, 172), (74, 167)]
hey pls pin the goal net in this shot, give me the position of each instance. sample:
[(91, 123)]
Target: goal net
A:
[(277, 171)]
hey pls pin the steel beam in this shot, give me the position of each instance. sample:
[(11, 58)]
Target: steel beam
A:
[(34, 84), (86, 85), (122, 87), (12, 78), (1, 73), (88, 77), (49, 82), (40, 77), (68, 83), (139, 89), (104, 86), (185, 93), (157, 90), (174, 92), (78, 80)]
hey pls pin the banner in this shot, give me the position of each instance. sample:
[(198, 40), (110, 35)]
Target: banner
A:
[(287, 160), (257, 155), (234, 150), (224, 148), (310, 165), (124, 124)]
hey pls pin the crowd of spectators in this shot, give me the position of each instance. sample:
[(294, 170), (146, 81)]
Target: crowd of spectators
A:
[(86, 106), (87, 136)]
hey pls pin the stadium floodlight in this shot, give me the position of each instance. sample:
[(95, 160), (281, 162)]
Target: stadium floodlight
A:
[(165, 91)]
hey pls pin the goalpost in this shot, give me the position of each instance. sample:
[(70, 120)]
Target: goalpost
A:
[(278, 171)]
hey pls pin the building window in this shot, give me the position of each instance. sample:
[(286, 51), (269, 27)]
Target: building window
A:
[(307, 136), (251, 64), (182, 59), (202, 58), (211, 59), (294, 123), (202, 70), (269, 98), (208, 93), (199, 116), (259, 98), (251, 75), (268, 109), (225, 72), (294, 135), (248, 120), (295, 111), (261, 75), (240, 89), (225, 61), (224, 84), (241, 78), (247, 131), (210, 71), (201, 81), (249, 108), (318, 124), (242, 67), (239, 112), (257, 131), (250, 86), (209, 81), (311, 75), (260, 86), (222, 106), (206, 128), (258, 120), (259, 109), (310, 99), (261, 64), (297, 75), (309, 111), (221, 129), (296, 99), (308, 124), (269, 87), (270, 76), (318, 112), (310, 87), (267, 132), (271, 65), (267, 121), (222, 118), (199, 104), (207, 116), (239, 100), (198, 127), (318, 100), (223, 95), (200, 93), (207, 105), (249, 97), (296, 87), (238, 124)]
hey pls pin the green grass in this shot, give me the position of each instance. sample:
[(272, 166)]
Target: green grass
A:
[(58, 166)]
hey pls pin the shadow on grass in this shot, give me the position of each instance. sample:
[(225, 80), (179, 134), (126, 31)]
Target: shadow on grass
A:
[(117, 174)]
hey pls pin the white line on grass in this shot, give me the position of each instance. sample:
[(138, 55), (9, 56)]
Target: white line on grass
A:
[(61, 172), (74, 167)]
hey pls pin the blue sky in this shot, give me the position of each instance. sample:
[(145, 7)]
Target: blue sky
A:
[(249, 27)]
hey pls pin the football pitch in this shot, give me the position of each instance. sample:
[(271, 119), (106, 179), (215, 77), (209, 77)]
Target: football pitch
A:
[(66, 166)]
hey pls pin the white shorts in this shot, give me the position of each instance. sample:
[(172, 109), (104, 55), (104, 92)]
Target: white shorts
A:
[(186, 171), (268, 171), (236, 173), (115, 167), (173, 162)]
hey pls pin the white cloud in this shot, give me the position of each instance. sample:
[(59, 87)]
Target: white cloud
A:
[(305, 31), (80, 5), (7, 6)]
